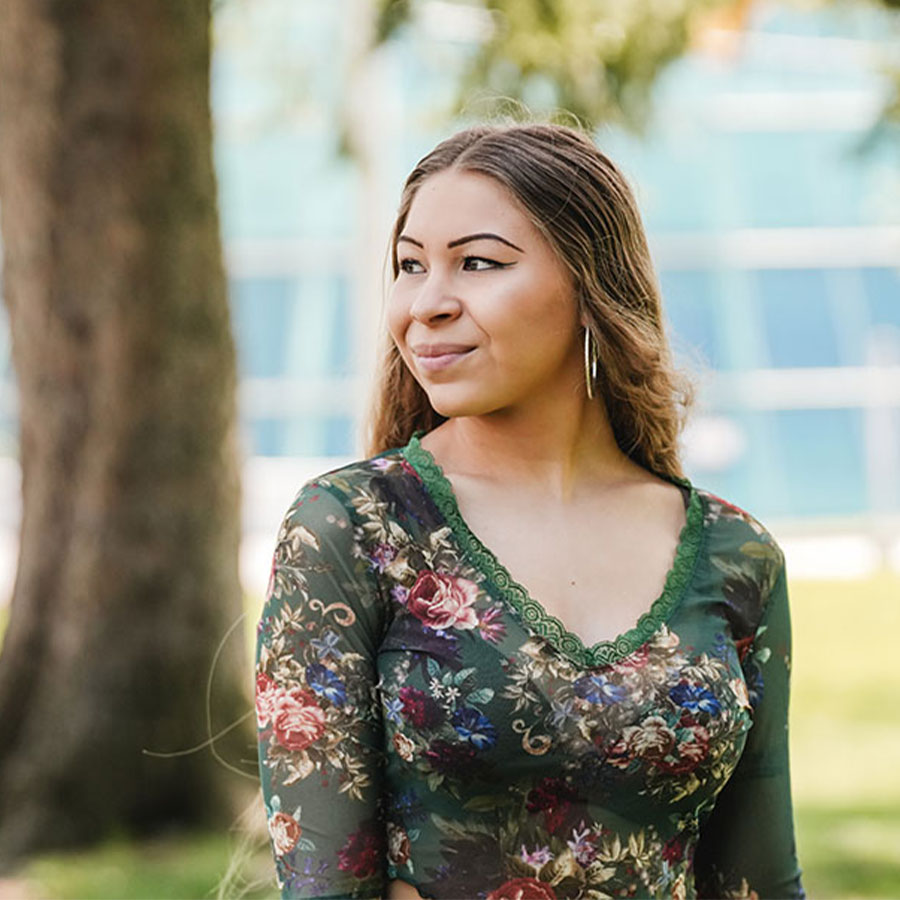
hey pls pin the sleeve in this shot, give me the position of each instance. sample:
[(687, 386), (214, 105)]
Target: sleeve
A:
[(746, 846), (317, 704)]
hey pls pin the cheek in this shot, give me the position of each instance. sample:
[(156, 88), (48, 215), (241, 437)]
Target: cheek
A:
[(396, 316)]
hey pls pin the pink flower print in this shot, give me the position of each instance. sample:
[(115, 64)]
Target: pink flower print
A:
[(298, 720), (443, 601), (491, 625), (266, 699)]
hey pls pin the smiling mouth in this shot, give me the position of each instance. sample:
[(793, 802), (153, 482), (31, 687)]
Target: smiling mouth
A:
[(433, 363)]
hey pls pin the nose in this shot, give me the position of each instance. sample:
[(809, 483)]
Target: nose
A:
[(432, 300)]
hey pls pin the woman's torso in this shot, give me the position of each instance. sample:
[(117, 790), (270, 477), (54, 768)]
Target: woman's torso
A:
[(510, 743)]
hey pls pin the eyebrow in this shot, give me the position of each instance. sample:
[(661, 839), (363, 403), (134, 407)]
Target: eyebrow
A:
[(481, 236)]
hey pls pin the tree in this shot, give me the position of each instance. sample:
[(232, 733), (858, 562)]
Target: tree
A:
[(127, 576)]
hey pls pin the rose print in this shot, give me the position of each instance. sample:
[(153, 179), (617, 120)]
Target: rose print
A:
[(398, 844), (298, 719), (285, 832), (523, 889), (443, 601), (652, 740), (266, 697)]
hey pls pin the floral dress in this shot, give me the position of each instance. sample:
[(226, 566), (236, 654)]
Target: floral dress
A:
[(421, 717)]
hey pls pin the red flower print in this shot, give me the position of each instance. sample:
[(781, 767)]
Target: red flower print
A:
[(419, 708), (743, 646), (443, 601), (673, 851), (298, 720), (285, 832), (553, 797), (523, 889), (266, 697), (361, 854), (692, 749)]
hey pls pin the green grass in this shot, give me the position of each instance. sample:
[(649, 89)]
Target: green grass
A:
[(171, 868), (845, 757), (845, 735)]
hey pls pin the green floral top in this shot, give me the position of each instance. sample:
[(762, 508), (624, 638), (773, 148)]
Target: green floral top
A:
[(421, 717)]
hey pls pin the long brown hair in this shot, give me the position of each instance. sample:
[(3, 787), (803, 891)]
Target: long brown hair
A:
[(585, 208)]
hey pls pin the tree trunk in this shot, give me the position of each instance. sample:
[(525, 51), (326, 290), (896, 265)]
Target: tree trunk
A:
[(127, 576)]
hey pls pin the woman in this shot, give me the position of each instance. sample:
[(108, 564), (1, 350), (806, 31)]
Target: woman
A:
[(515, 653)]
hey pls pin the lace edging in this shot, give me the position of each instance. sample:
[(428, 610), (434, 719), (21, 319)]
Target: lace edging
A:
[(530, 611)]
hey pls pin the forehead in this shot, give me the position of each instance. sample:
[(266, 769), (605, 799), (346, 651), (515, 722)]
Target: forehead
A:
[(452, 203)]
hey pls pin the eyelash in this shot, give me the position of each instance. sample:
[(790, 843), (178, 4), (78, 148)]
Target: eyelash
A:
[(493, 264)]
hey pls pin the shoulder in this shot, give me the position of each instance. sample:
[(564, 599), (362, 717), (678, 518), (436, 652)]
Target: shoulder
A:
[(743, 555), (354, 488)]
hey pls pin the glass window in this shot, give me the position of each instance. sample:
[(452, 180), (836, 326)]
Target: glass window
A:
[(799, 329)]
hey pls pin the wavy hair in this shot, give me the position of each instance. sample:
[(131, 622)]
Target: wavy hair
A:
[(583, 205)]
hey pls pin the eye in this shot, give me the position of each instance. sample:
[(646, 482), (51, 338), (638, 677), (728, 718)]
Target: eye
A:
[(490, 263), (406, 263)]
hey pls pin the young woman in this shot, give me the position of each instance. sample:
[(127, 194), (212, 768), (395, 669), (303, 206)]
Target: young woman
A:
[(516, 653)]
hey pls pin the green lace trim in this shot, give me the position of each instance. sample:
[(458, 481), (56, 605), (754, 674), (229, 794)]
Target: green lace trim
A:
[(530, 611)]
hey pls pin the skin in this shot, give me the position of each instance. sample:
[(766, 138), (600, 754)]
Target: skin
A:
[(533, 462)]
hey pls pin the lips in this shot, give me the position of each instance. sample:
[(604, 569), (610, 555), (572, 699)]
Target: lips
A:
[(432, 362), (439, 349)]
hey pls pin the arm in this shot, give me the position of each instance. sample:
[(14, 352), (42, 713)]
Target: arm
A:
[(746, 846), (318, 709)]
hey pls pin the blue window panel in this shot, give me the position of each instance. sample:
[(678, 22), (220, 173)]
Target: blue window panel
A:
[(317, 334), (797, 318), (338, 437), (807, 462), (264, 437), (823, 458), (260, 309), (883, 295), (316, 435), (688, 304), (340, 352)]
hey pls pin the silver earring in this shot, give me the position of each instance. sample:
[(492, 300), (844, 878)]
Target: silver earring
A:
[(590, 362)]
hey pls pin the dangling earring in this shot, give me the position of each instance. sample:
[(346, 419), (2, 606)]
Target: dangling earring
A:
[(590, 362)]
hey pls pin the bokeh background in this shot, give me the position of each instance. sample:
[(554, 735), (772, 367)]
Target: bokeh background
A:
[(765, 155)]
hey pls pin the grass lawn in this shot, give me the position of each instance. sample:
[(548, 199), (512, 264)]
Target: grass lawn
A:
[(845, 735), (845, 753)]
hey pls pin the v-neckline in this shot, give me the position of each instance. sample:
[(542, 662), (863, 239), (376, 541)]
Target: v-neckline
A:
[(531, 611)]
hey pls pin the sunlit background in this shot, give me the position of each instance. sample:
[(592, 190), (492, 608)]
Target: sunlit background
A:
[(774, 221)]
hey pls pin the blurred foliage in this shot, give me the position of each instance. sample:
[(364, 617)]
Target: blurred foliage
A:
[(598, 59), (594, 59)]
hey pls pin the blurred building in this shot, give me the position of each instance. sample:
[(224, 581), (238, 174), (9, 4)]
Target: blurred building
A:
[(777, 245)]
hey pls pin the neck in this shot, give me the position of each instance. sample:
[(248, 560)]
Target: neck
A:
[(554, 453)]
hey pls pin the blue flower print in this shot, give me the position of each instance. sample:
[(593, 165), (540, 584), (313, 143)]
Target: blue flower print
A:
[(754, 684), (323, 681), (474, 727), (393, 707), (327, 645), (598, 689), (695, 698)]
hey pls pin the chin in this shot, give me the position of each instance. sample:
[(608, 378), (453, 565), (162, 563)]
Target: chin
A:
[(454, 407)]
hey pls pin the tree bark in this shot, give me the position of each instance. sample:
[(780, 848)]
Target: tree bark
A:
[(127, 576)]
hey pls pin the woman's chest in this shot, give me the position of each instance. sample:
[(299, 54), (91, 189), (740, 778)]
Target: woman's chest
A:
[(596, 571), (476, 709)]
